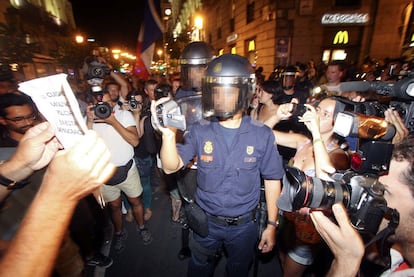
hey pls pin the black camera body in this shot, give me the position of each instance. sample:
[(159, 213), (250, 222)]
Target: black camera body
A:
[(298, 109), (95, 69), (102, 110), (133, 104)]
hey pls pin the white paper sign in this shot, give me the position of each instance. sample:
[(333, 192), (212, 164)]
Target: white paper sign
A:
[(54, 98)]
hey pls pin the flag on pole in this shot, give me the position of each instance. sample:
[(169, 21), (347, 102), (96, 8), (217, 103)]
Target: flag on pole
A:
[(151, 29)]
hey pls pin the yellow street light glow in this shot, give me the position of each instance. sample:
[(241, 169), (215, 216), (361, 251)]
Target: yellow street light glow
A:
[(116, 51), (79, 39), (116, 56), (198, 22)]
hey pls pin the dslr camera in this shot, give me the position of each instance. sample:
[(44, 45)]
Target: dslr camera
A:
[(101, 109), (132, 102), (362, 195)]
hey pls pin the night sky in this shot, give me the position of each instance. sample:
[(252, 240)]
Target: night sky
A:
[(113, 23)]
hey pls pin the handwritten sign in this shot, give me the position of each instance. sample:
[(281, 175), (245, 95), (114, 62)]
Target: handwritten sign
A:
[(54, 98)]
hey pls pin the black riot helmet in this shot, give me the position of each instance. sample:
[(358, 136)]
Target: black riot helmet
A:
[(193, 62), (288, 77), (228, 86)]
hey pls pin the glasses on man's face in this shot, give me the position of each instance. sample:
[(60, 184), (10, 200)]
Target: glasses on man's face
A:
[(20, 119)]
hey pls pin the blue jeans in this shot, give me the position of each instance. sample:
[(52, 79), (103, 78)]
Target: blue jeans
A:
[(239, 243), (144, 167)]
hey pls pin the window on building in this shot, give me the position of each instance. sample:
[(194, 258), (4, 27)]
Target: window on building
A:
[(347, 3), (232, 26), (233, 49), (219, 33), (250, 12), (233, 15), (250, 46), (220, 51)]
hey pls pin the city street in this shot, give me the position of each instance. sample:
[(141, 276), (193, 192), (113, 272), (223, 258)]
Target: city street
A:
[(160, 257)]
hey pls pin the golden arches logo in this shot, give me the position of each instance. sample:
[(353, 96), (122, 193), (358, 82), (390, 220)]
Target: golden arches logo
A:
[(341, 37)]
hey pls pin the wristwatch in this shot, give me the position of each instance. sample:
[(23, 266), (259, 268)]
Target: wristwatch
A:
[(7, 182), (11, 185)]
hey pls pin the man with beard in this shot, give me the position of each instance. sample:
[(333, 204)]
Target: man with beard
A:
[(17, 115), (345, 242)]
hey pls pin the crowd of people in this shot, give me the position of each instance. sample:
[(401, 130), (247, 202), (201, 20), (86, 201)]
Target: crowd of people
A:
[(229, 160)]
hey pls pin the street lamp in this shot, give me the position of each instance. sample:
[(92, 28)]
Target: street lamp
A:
[(198, 24), (79, 39), (167, 14), (159, 53)]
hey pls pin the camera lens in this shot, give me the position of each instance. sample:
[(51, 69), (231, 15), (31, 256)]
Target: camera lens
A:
[(102, 110), (306, 191)]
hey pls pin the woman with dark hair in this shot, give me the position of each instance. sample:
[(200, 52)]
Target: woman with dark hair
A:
[(267, 95), (317, 156)]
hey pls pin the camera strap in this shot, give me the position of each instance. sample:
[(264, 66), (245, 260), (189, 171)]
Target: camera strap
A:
[(382, 236)]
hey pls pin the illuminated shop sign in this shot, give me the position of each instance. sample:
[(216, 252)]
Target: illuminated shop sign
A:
[(345, 18), (341, 37), (231, 38)]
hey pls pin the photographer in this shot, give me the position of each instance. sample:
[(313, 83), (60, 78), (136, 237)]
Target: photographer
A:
[(345, 242), (317, 156), (118, 129)]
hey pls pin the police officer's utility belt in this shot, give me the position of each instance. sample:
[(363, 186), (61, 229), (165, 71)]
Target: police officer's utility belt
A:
[(238, 220)]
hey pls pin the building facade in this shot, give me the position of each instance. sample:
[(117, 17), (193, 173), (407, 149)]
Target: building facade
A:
[(276, 32), (44, 24)]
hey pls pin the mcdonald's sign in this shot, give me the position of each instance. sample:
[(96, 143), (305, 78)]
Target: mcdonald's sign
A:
[(341, 37)]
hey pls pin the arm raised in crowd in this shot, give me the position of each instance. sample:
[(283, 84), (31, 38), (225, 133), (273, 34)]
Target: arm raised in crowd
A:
[(48, 216), (323, 163), (123, 91), (171, 160)]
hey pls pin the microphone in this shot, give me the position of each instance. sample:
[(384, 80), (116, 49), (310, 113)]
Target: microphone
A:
[(403, 89)]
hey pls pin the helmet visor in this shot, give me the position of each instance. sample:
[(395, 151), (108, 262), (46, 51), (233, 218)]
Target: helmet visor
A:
[(191, 77)]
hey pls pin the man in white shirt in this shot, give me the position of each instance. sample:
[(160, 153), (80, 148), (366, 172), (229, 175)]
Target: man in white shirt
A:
[(119, 132)]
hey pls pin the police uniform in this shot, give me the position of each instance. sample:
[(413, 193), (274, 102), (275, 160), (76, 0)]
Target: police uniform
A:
[(228, 189)]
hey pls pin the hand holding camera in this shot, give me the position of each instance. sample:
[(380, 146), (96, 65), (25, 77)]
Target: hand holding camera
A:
[(342, 239)]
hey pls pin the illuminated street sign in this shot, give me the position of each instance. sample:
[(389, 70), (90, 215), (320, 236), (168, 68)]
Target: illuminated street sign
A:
[(345, 18)]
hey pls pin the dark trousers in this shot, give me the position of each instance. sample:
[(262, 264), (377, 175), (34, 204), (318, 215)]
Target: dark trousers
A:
[(239, 242)]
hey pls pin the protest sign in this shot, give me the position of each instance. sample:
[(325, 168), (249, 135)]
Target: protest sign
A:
[(54, 98)]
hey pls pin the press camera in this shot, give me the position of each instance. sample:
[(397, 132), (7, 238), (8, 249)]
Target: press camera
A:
[(101, 109), (95, 72), (180, 113), (401, 94)]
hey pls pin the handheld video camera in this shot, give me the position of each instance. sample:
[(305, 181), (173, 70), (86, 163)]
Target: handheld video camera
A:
[(180, 113), (95, 69)]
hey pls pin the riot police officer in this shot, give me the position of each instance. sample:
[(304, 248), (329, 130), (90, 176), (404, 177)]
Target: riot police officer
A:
[(193, 63), (233, 151)]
